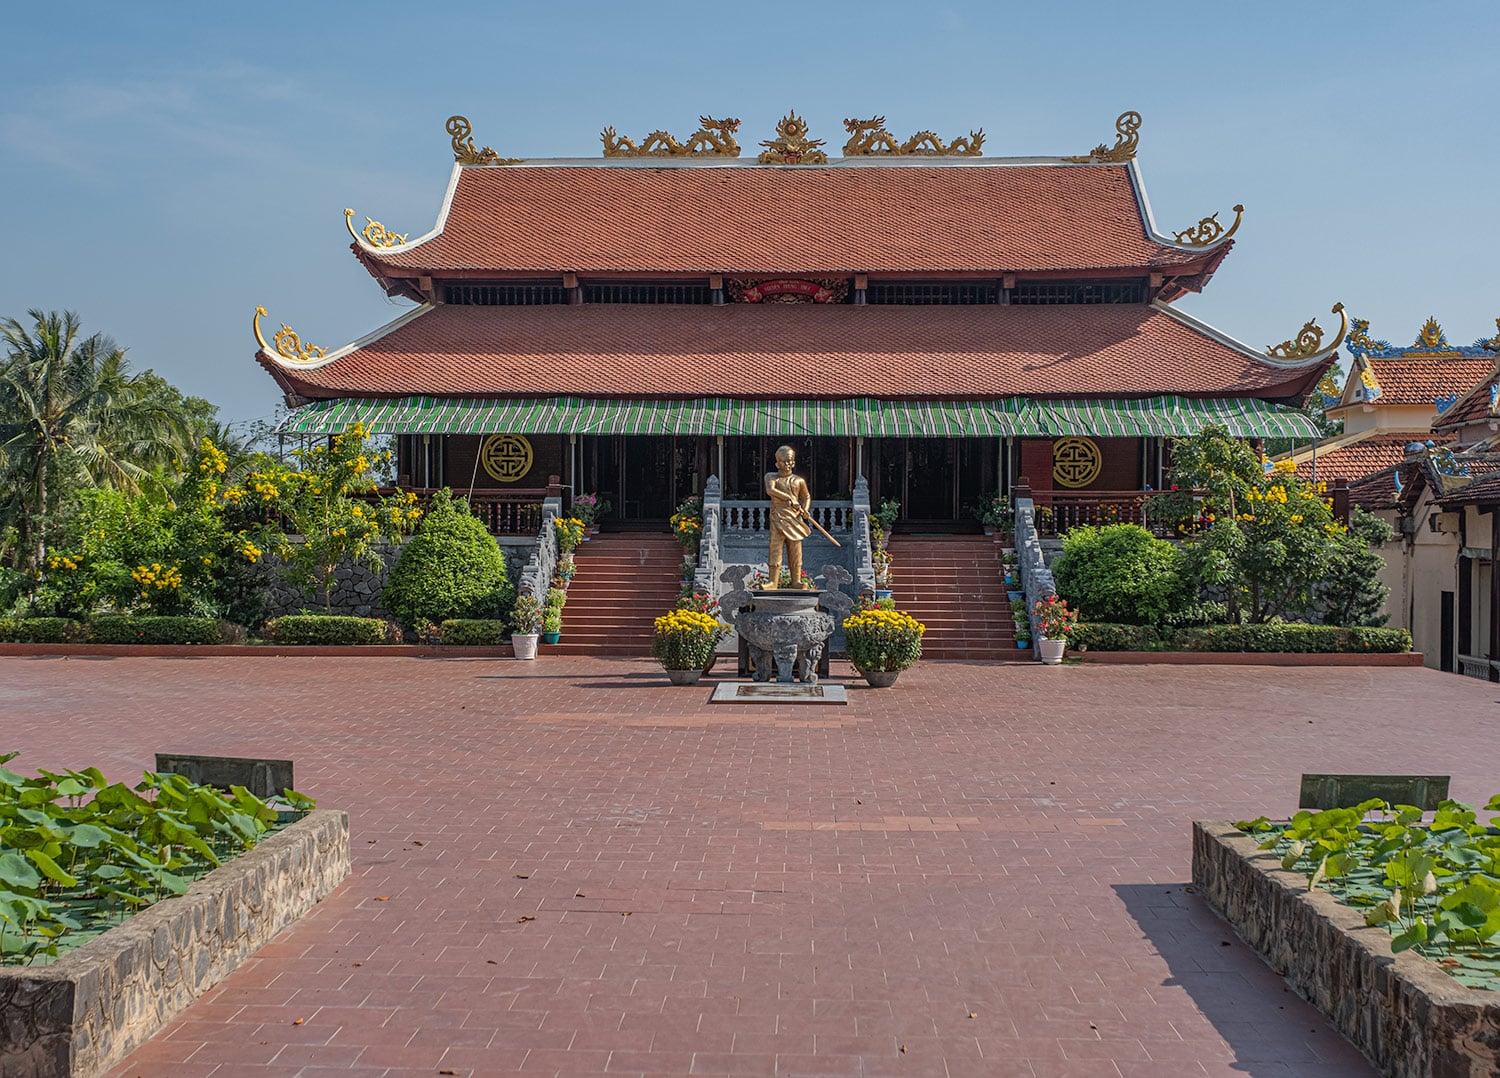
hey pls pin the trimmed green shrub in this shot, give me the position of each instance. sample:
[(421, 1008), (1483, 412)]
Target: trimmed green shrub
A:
[(329, 629), (1112, 636), (472, 632), (1292, 637), (41, 630), (1119, 573), (149, 629), (452, 568)]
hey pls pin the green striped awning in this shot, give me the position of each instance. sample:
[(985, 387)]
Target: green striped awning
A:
[(864, 417)]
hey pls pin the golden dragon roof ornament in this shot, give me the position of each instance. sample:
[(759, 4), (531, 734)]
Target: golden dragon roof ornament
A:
[(1309, 341), (287, 344), (869, 138), (714, 138), (374, 234), (464, 152), (1127, 138), (791, 146), (1208, 231)]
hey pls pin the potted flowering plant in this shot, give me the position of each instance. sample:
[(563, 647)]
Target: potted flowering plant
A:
[(1023, 623), (996, 514), (702, 602), (569, 533), (552, 615), (687, 524), (882, 643), (683, 641), (1054, 621), (589, 507), (525, 620)]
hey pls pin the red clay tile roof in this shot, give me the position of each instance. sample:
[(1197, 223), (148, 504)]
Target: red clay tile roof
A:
[(1473, 407), (1422, 381), (810, 351), (1374, 491), (738, 219), (1359, 459)]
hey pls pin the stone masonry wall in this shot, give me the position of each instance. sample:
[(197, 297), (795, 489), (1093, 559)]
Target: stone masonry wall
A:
[(95, 1005), (1401, 1010)]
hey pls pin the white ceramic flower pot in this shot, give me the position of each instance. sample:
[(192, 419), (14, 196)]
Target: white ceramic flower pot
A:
[(524, 645), (1051, 651)]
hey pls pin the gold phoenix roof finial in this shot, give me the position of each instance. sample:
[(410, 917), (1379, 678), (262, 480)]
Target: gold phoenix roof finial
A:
[(1309, 340), (465, 153), (374, 233), (791, 146), (714, 138), (1208, 231), (869, 138), (287, 344), (1127, 138)]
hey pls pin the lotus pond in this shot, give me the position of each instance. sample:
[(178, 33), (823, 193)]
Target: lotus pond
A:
[(79, 854), (1433, 884)]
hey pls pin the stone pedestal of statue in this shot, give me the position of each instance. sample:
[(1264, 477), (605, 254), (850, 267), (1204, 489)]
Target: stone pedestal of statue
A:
[(785, 631)]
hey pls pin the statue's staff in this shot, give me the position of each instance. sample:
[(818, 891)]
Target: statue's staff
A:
[(811, 520)]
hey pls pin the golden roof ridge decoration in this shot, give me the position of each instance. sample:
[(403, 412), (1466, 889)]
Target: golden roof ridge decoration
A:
[(374, 234), (791, 146), (1309, 340), (1493, 344), (869, 138), (464, 152), (1208, 231), (287, 344), (1127, 138), (714, 138)]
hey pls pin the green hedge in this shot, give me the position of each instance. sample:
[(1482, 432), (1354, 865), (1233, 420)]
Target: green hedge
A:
[(128, 629), (41, 630), (1273, 637), (330, 629), (1290, 636), (1110, 636), (471, 632)]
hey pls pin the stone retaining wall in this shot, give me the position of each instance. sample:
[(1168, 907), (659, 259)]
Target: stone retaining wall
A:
[(1401, 1010), (92, 1007)]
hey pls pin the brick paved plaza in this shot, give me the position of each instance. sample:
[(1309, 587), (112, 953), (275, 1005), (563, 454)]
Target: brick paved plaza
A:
[(979, 872)]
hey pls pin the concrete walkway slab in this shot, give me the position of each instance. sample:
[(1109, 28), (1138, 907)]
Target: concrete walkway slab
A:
[(570, 867)]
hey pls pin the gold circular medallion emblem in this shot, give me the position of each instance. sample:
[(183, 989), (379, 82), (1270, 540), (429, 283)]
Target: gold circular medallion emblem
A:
[(1075, 462), (506, 457)]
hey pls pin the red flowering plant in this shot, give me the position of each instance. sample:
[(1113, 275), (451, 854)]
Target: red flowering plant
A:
[(1053, 619)]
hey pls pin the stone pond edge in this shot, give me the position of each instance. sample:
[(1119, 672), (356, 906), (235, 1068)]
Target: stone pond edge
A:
[(1409, 1017), (92, 1007)]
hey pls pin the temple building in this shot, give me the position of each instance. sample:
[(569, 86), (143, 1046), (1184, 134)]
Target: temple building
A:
[(1392, 397), (938, 322)]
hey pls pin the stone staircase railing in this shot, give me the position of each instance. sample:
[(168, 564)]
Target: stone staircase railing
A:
[(1036, 578), (754, 517), (864, 552), (710, 561), (536, 577)]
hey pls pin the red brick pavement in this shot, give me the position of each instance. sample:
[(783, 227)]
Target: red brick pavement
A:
[(979, 872)]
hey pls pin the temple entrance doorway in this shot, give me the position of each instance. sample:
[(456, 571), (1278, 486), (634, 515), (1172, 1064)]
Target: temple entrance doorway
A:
[(936, 480), (644, 477)]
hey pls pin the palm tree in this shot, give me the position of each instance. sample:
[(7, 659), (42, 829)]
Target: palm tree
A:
[(70, 409)]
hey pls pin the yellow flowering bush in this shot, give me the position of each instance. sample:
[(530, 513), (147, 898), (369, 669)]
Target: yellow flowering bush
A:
[(883, 639), (569, 533), (687, 523), (685, 639)]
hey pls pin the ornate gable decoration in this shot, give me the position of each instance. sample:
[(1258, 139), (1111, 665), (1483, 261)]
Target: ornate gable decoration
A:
[(374, 234), (464, 152), (1309, 340), (287, 344), (1127, 138), (869, 138), (783, 290), (714, 138), (1431, 343), (791, 146), (1208, 231)]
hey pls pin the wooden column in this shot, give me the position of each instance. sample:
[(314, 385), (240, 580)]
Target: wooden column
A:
[(1492, 652)]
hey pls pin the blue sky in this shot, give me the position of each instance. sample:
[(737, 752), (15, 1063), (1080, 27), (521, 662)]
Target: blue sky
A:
[(166, 167)]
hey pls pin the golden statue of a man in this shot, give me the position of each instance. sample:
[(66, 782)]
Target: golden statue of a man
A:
[(790, 502)]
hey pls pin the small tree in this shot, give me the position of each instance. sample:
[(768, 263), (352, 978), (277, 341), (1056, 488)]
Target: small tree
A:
[(1351, 593), (331, 507), (451, 568)]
